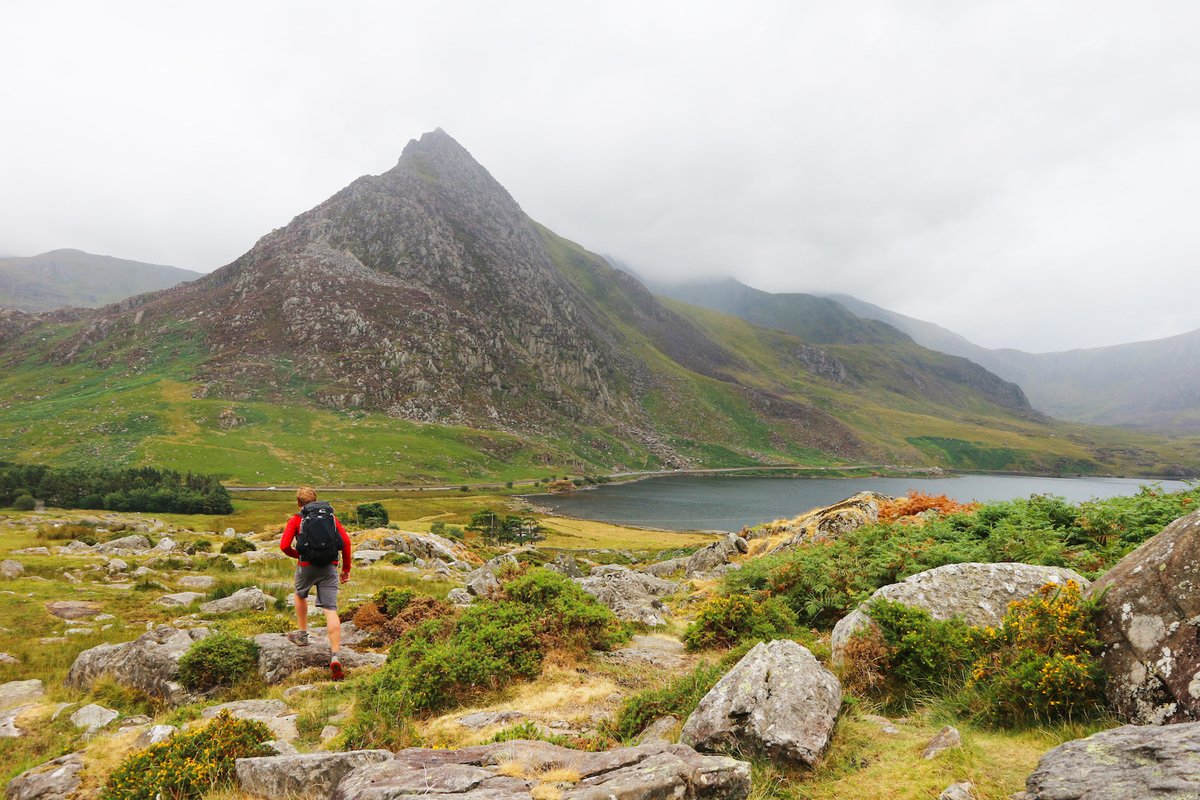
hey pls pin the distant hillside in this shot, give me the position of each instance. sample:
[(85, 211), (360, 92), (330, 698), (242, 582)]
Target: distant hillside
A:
[(63, 278), (1151, 386)]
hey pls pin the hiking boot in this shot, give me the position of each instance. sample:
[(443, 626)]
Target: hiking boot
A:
[(298, 638), (335, 669)]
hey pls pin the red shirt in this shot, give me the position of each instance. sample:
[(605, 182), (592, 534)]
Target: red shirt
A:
[(293, 527)]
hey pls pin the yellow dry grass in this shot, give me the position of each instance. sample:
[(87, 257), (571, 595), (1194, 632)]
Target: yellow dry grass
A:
[(581, 534)]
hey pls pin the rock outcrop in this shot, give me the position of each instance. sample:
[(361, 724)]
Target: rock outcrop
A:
[(275, 714), (1150, 626), (250, 598), (715, 555), (312, 775), (510, 770), (1128, 762), (778, 701), (427, 546), (149, 663), (632, 596), (979, 593), (54, 780), (126, 545), (824, 523), (278, 657)]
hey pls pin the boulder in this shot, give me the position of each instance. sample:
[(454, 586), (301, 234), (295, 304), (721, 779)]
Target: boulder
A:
[(658, 730), (821, 524), (201, 582), (11, 569), (485, 580), (1133, 761), (93, 717), (250, 598), (126, 544), (979, 593), (76, 546), (149, 663), (665, 569), (179, 599), (275, 714), (1149, 623), (278, 657), (948, 738), (715, 555), (632, 596), (566, 564), (165, 545), (777, 701), (656, 771), (312, 775), (963, 790), (73, 609), (460, 597), (155, 734), (54, 780), (21, 693), (425, 545), (368, 556)]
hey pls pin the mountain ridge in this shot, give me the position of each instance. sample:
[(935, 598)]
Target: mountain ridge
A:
[(70, 277)]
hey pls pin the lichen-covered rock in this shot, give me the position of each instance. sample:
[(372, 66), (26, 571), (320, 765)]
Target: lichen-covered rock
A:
[(278, 657), (715, 555), (656, 771), (92, 717), (1150, 627), (54, 780), (312, 775), (632, 596), (250, 598), (666, 569), (126, 544), (149, 663), (979, 593), (778, 701), (179, 599), (820, 524), (425, 545), (1124, 763), (74, 609), (11, 569), (485, 580)]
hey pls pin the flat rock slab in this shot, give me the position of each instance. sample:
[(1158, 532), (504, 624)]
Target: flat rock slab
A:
[(655, 771), (21, 693), (250, 598), (278, 657), (778, 701), (93, 717), (74, 609), (657, 651), (275, 714), (201, 582), (311, 775), (486, 719), (179, 599), (1133, 761), (54, 780)]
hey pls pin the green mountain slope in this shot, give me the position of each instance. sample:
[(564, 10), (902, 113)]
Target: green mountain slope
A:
[(419, 327), (63, 278)]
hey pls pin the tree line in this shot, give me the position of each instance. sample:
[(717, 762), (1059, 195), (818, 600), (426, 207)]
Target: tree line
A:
[(136, 489)]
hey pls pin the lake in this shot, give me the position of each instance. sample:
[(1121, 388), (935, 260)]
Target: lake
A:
[(689, 502)]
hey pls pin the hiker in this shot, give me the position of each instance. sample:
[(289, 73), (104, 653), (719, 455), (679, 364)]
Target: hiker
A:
[(318, 539)]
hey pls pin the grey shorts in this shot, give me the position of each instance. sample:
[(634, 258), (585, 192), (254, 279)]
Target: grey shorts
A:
[(324, 578)]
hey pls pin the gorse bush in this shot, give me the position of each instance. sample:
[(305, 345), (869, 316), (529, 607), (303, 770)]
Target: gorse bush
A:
[(1042, 664), (237, 545), (188, 765), (730, 619), (221, 659)]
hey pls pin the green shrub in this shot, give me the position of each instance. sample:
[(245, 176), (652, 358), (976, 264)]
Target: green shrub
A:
[(371, 515), (24, 502), (199, 546), (189, 764), (392, 601), (678, 698), (221, 659), (565, 616), (730, 619), (397, 558), (237, 545)]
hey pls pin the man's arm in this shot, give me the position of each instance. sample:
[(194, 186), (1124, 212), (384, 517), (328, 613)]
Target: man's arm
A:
[(289, 534), (346, 547)]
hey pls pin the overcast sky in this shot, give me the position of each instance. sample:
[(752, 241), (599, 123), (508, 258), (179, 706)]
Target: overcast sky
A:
[(1024, 173)]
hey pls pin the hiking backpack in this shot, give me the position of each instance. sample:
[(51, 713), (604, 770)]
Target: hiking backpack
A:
[(318, 541)]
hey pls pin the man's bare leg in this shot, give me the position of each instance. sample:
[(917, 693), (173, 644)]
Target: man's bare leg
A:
[(301, 604), (333, 627)]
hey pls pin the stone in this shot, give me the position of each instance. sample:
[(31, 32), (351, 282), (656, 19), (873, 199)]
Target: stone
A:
[(201, 582), (368, 556), (126, 544), (778, 701), (11, 569), (666, 569), (978, 593), (278, 658), (32, 551), (1133, 761), (179, 599), (885, 724), (116, 565), (485, 580), (425, 545), (7, 658), (329, 732), (823, 524), (281, 748), (632, 596), (715, 555), (75, 546), (658, 730), (275, 714), (93, 717), (21, 693), (311, 775), (54, 780), (460, 597), (1149, 623), (655, 771), (9, 729), (154, 735), (165, 545), (657, 651), (947, 738), (230, 532), (964, 790), (250, 598), (486, 719), (566, 564), (258, 556), (149, 663), (73, 609)]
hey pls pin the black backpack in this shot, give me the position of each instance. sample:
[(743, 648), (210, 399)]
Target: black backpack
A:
[(318, 542)]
